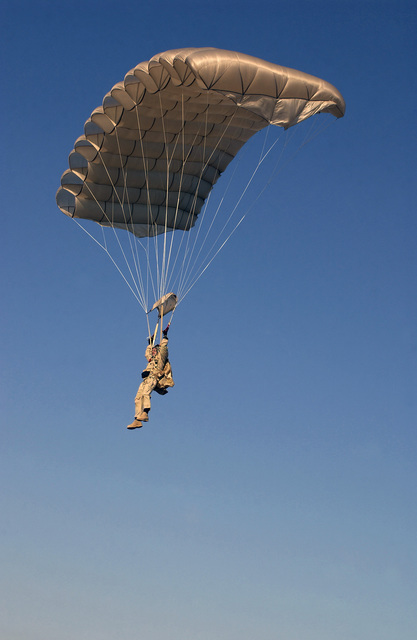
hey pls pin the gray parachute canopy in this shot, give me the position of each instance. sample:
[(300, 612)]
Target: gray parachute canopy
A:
[(151, 154)]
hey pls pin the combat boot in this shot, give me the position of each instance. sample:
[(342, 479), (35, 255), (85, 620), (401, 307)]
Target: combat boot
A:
[(136, 424)]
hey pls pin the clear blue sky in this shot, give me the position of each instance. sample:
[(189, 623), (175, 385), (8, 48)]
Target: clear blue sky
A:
[(273, 493)]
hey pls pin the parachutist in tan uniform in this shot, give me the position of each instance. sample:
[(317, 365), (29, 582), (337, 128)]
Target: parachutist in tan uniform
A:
[(156, 376)]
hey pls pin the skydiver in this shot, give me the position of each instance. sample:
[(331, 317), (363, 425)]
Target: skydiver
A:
[(156, 376)]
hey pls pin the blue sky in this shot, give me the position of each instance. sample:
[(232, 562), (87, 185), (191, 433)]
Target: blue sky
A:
[(273, 493)]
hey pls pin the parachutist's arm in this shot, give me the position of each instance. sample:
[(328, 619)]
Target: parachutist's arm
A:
[(163, 351)]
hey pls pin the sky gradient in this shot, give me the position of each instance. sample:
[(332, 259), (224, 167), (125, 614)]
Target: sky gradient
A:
[(273, 493)]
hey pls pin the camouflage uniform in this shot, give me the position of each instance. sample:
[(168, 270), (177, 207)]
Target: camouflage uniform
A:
[(157, 376)]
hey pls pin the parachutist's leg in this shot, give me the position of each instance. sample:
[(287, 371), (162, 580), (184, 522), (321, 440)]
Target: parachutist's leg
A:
[(143, 398)]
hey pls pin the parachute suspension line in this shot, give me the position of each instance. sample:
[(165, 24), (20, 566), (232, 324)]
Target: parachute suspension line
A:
[(172, 315), (168, 164), (182, 132), (149, 208), (289, 135), (111, 258), (315, 129), (162, 262), (188, 221), (160, 253), (147, 322), (191, 282), (104, 238), (213, 219), (192, 208), (189, 273), (204, 165), (185, 269), (132, 244), (166, 258), (209, 263), (137, 282), (310, 135), (184, 158), (110, 224), (149, 276)]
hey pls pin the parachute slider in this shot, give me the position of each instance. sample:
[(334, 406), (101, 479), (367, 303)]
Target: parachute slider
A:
[(167, 303)]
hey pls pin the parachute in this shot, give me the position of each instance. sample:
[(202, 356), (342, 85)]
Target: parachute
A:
[(151, 154)]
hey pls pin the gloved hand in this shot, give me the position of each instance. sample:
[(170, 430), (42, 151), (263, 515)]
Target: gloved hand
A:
[(165, 331)]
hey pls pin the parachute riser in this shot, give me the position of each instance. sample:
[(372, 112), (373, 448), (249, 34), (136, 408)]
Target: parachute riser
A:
[(154, 334), (164, 305), (162, 321)]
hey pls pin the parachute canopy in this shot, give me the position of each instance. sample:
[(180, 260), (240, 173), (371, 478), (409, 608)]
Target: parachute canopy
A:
[(152, 152)]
